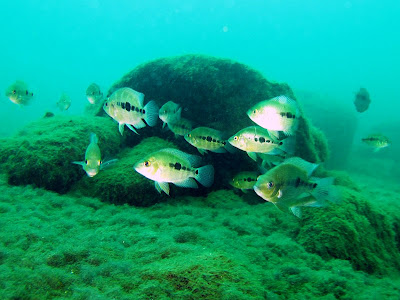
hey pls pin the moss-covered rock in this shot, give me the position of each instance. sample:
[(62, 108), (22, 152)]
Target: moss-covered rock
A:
[(353, 230), (215, 93), (42, 152), (122, 184)]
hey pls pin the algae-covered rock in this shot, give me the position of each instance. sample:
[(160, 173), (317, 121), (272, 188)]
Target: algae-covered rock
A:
[(42, 152), (215, 93), (122, 184), (353, 230)]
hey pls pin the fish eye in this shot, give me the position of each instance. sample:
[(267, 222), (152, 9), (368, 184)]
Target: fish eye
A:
[(147, 163), (255, 111), (270, 184), (236, 138), (14, 91), (86, 161), (100, 162)]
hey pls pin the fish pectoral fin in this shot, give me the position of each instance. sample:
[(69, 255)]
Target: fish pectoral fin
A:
[(376, 150), (81, 163), (282, 207), (187, 183), (202, 151), (296, 210), (108, 163), (121, 128), (163, 125), (280, 194), (252, 155), (131, 128), (244, 191), (164, 186)]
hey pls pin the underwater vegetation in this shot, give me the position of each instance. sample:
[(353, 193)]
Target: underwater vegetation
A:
[(66, 235)]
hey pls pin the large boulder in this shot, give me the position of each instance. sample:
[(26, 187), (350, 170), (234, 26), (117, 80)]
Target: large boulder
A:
[(215, 93), (42, 152)]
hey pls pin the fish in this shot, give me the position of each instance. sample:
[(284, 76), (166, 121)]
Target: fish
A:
[(244, 180), (18, 93), (362, 100), (170, 112), (290, 185), (255, 139), (180, 127), (277, 114), (93, 163), (125, 106), (64, 102), (377, 141), (205, 138), (94, 94), (170, 165)]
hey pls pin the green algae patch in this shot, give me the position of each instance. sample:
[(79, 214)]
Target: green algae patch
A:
[(42, 152), (121, 184), (217, 246), (354, 230)]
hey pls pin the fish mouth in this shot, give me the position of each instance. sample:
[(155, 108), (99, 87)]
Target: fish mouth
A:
[(259, 192)]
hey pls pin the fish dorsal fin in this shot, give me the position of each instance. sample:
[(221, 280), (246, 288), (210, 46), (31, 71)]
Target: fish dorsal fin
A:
[(139, 96), (193, 160), (302, 164)]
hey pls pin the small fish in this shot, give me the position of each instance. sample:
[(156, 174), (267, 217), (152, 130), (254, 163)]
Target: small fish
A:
[(175, 166), (377, 141), (94, 94), (64, 102), (170, 112), (18, 93), (244, 180), (362, 100), (125, 106), (290, 186), (277, 114), (204, 138), (180, 127), (93, 164), (255, 139)]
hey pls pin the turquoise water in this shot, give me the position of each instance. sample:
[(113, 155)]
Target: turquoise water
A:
[(332, 48), (66, 236)]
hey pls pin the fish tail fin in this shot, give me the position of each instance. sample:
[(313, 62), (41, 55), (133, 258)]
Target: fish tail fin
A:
[(325, 192), (205, 175), (289, 144), (93, 138), (151, 115)]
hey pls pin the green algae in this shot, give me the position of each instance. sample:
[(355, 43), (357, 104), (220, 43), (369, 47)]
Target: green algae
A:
[(214, 247), (42, 152)]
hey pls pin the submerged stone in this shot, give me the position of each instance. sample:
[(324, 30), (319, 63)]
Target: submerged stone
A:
[(42, 153)]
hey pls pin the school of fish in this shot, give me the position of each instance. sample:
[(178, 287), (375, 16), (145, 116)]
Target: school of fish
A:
[(283, 179)]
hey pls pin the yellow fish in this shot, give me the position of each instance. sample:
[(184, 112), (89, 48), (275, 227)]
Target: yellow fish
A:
[(93, 164), (170, 112), (64, 102), (94, 94), (174, 166), (290, 186), (180, 127), (204, 138), (377, 141), (126, 107), (18, 93), (244, 180), (255, 139), (277, 114)]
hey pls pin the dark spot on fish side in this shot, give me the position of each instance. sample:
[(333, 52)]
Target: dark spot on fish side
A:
[(203, 137), (314, 185), (262, 140), (123, 105), (297, 183), (178, 166), (255, 139), (209, 139), (128, 106)]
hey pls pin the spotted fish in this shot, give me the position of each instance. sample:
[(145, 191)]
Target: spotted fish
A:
[(125, 106), (244, 180), (277, 114), (18, 93), (290, 186), (180, 127), (377, 141), (174, 166), (170, 112), (205, 138)]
